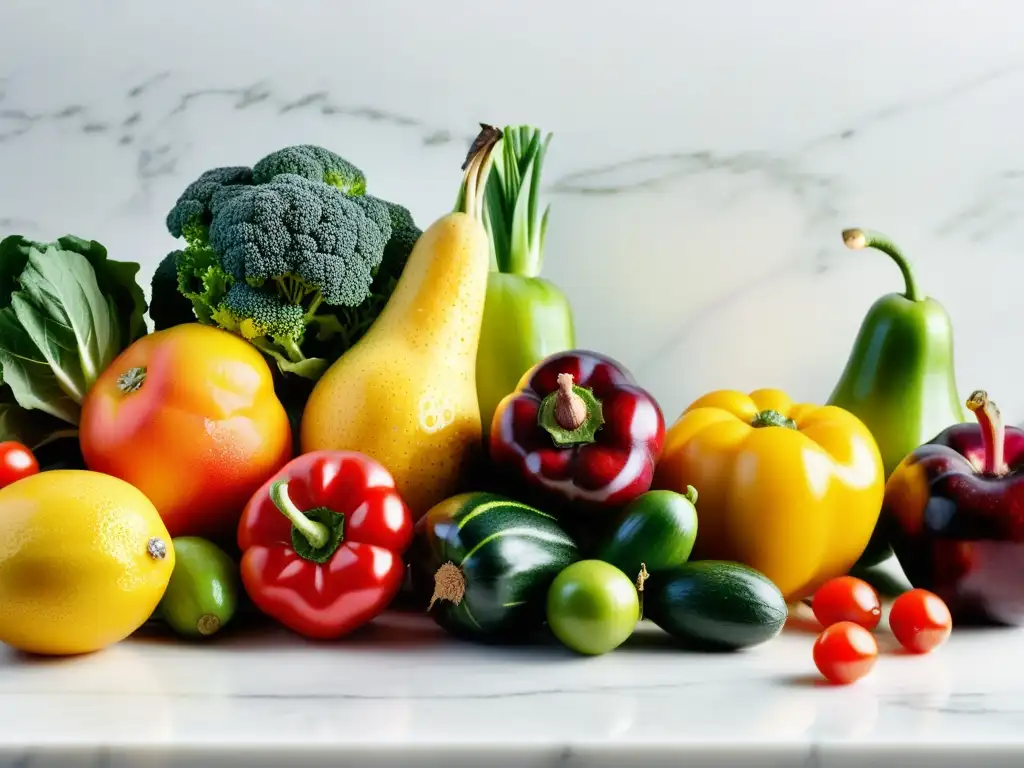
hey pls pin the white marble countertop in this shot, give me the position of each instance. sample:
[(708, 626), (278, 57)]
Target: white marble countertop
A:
[(401, 693)]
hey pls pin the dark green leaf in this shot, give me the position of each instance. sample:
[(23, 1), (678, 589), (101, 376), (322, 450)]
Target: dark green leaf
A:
[(31, 428), (29, 376), (71, 321), (13, 258), (496, 220), (117, 279)]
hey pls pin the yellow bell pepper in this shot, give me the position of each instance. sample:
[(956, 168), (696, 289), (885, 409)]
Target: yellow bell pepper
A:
[(793, 490)]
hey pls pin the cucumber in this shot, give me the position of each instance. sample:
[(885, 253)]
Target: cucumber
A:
[(482, 563), (715, 605), (202, 594), (656, 530)]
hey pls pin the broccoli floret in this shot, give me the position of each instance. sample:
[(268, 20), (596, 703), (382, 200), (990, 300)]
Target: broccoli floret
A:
[(404, 234), (376, 210), (308, 237), (167, 306), (202, 280), (191, 214), (350, 325), (254, 312), (272, 325), (312, 163), (291, 254)]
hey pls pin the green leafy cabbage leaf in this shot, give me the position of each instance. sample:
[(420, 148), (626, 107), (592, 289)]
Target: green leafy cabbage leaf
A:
[(66, 311)]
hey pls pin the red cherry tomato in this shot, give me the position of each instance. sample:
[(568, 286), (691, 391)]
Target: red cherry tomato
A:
[(845, 652), (847, 599), (920, 621), (16, 462)]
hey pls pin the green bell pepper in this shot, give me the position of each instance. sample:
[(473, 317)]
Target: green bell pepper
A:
[(900, 378), (526, 318)]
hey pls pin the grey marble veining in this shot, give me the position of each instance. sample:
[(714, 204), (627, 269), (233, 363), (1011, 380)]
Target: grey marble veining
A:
[(705, 158)]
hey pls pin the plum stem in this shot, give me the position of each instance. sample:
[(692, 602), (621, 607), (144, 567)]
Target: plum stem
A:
[(992, 431)]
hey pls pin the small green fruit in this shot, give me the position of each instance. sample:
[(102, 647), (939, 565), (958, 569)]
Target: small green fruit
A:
[(655, 530), (202, 595), (592, 607)]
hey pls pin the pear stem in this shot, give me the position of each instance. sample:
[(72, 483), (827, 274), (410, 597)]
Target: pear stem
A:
[(993, 431), (856, 239), (476, 170)]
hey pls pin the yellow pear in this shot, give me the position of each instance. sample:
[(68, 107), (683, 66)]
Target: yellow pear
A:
[(405, 394)]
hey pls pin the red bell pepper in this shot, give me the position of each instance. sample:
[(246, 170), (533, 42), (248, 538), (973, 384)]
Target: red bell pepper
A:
[(579, 429), (954, 511), (322, 543)]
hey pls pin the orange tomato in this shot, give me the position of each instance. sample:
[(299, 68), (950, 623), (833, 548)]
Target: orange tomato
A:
[(188, 416)]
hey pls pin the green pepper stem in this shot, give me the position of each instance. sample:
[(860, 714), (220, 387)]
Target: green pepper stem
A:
[(315, 533), (691, 495), (993, 431), (570, 414), (856, 239), (476, 170)]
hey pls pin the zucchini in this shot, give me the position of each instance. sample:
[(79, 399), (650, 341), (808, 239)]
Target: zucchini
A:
[(202, 594), (485, 563), (715, 605), (654, 531)]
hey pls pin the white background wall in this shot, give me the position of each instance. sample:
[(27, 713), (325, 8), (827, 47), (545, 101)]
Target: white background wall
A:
[(706, 155)]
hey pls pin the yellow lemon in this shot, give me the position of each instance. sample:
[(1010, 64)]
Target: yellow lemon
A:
[(84, 560)]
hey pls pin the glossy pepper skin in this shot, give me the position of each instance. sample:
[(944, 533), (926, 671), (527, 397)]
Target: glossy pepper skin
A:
[(792, 490), (322, 543), (580, 431), (899, 379), (526, 318), (954, 512), (188, 416)]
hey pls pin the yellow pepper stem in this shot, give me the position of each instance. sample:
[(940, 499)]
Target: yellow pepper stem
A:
[(772, 419)]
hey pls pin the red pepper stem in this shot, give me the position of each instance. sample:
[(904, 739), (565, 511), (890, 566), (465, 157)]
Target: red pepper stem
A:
[(992, 431), (316, 534), (571, 414)]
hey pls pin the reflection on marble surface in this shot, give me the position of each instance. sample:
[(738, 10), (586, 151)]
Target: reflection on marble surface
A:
[(705, 157), (401, 689)]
